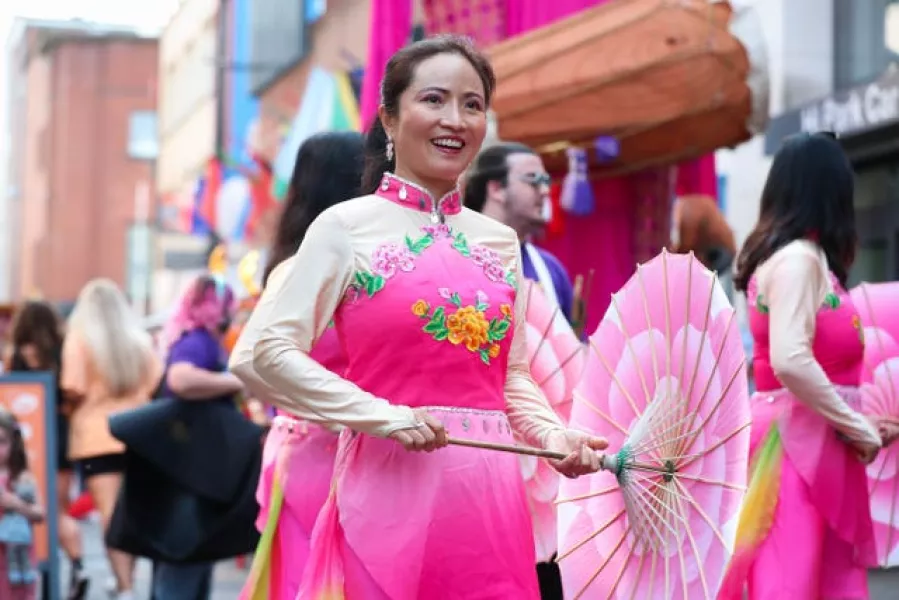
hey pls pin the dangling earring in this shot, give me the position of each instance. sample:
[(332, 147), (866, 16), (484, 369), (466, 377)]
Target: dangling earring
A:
[(389, 150)]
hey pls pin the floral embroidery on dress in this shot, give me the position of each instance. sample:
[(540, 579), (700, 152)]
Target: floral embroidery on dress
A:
[(466, 324), (390, 258), (831, 301)]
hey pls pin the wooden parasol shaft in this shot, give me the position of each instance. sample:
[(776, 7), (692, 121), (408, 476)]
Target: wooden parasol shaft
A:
[(540, 453), (507, 448)]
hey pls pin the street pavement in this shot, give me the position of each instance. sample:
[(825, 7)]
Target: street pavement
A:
[(228, 577)]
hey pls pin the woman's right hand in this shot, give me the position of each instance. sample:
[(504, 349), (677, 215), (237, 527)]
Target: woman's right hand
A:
[(427, 437)]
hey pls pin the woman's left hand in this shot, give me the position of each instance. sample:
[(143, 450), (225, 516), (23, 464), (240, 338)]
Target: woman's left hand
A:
[(581, 449), (888, 430)]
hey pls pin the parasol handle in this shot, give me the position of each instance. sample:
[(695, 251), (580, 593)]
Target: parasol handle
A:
[(610, 462), (527, 451)]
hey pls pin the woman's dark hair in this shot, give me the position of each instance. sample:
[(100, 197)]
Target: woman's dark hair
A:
[(18, 457), (490, 165), (398, 76), (327, 170), (808, 194), (38, 324)]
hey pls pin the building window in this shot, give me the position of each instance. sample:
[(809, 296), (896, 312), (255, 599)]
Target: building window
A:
[(143, 141), (866, 40)]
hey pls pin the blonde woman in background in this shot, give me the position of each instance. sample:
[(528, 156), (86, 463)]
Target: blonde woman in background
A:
[(108, 366)]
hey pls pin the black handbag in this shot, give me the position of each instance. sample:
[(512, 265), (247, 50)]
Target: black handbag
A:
[(188, 493)]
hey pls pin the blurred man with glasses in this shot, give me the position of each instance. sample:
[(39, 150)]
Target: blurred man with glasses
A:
[(509, 183)]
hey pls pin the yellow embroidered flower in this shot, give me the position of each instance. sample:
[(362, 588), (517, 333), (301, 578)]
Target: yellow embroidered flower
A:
[(420, 308), (467, 326), (505, 309), (493, 352), (857, 323)]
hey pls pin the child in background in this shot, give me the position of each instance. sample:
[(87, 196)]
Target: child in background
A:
[(20, 510)]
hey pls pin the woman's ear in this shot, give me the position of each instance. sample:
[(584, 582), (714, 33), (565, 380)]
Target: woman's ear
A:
[(387, 121)]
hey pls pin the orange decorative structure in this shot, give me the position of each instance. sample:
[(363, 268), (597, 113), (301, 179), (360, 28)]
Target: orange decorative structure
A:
[(667, 79)]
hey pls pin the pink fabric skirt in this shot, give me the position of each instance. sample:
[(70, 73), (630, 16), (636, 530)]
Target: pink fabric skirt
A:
[(821, 540), (446, 525), (301, 455)]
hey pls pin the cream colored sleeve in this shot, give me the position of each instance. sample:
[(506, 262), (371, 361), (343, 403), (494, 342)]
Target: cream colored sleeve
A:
[(294, 315), (529, 413), (794, 284), (241, 360)]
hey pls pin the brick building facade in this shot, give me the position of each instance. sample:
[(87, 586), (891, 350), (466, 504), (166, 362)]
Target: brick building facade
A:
[(86, 89)]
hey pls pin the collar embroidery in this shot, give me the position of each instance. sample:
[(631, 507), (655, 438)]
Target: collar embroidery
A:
[(410, 195)]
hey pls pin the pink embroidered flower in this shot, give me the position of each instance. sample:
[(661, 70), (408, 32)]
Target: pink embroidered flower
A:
[(494, 271), (444, 293), (482, 255), (389, 257), (352, 294), (487, 258), (437, 231)]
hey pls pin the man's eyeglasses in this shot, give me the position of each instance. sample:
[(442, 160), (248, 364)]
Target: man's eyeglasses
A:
[(536, 179)]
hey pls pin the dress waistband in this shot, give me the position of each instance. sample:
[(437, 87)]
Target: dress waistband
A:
[(472, 423), (851, 394)]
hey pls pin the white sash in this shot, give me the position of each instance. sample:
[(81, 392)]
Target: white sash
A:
[(544, 277)]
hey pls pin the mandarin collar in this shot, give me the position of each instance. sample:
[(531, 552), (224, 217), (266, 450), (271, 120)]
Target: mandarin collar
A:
[(411, 195)]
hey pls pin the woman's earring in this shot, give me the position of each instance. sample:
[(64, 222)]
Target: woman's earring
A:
[(389, 150)]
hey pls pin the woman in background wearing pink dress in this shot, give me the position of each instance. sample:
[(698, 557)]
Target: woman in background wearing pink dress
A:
[(298, 460), (805, 532), (423, 296)]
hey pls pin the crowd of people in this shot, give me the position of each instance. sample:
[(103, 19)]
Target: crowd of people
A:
[(389, 317)]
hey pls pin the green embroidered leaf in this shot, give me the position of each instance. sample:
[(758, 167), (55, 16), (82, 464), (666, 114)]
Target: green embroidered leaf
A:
[(503, 328), (374, 285), (433, 327), (832, 300), (760, 305), (421, 244), (485, 356), (439, 314), (482, 306), (362, 279), (441, 335), (511, 280), (455, 299), (461, 244)]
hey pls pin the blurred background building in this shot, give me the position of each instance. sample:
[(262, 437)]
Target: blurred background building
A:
[(82, 127), (835, 72)]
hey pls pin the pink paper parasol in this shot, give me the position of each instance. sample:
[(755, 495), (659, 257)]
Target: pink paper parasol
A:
[(665, 382), (878, 309), (556, 362)]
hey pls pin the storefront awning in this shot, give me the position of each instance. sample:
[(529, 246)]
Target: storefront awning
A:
[(666, 80)]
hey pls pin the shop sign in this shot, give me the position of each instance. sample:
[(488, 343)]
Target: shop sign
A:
[(847, 112)]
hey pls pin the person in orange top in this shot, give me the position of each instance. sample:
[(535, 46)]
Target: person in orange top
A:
[(108, 366)]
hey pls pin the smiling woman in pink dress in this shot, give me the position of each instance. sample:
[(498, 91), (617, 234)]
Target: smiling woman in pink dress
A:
[(423, 295)]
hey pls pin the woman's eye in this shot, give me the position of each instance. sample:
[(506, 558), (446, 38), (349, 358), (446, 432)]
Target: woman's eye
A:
[(432, 99), (474, 105)]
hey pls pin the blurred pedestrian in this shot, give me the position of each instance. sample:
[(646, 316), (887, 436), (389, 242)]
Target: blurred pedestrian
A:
[(21, 508), (37, 341), (108, 366), (192, 459)]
